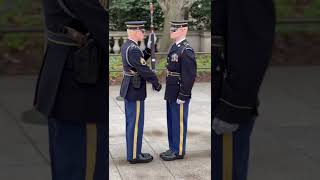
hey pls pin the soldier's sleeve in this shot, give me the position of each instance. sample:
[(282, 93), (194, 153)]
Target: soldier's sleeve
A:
[(146, 53), (219, 31), (219, 17), (188, 73), (247, 61), (137, 61), (93, 16)]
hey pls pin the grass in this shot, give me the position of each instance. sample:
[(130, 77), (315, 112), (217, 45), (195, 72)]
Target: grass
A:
[(23, 13), (288, 8), (313, 9), (288, 28)]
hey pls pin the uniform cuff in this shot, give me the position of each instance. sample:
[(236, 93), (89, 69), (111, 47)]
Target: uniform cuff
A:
[(156, 85), (233, 114), (183, 97), (148, 51)]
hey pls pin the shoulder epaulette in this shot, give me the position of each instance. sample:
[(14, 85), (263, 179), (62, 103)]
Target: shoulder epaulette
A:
[(187, 47), (132, 45)]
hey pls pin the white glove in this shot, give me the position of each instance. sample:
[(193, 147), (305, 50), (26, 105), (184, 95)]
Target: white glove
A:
[(180, 101), (222, 127), (149, 40)]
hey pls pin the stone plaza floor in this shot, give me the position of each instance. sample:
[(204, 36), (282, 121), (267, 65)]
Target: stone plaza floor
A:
[(285, 141)]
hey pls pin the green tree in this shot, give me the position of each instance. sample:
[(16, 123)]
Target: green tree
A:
[(121, 11), (201, 13)]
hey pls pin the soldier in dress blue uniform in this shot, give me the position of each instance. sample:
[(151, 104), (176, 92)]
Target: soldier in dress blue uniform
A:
[(181, 74), (76, 108), (243, 34), (133, 89)]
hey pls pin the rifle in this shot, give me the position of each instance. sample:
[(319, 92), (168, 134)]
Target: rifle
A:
[(153, 52)]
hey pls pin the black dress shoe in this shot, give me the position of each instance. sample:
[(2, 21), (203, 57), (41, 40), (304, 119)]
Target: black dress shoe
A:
[(168, 152), (170, 156), (142, 158)]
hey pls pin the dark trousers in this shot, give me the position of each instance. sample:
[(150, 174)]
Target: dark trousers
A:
[(134, 111), (231, 153), (177, 121), (78, 151)]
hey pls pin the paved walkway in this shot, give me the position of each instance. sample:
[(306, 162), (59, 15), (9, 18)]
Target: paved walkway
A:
[(196, 165), (285, 142), (23, 147)]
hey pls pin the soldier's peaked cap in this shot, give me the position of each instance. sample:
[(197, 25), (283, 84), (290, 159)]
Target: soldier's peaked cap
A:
[(178, 24), (135, 24)]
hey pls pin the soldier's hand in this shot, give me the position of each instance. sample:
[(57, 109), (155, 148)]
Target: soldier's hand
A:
[(157, 88), (149, 40), (222, 127), (180, 101)]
